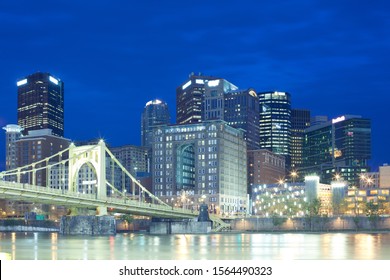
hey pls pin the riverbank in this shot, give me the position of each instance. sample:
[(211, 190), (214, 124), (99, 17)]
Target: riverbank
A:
[(313, 224), (242, 225)]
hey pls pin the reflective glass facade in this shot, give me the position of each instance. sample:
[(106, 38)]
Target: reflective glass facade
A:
[(300, 120), (341, 146), (275, 123)]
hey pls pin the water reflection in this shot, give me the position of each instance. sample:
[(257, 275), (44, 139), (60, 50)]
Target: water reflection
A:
[(228, 246)]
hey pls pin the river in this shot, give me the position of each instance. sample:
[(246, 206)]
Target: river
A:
[(225, 246)]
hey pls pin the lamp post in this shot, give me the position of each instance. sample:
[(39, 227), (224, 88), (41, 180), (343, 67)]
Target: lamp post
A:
[(294, 175)]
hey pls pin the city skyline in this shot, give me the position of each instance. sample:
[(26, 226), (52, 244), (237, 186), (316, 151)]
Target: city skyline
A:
[(331, 58)]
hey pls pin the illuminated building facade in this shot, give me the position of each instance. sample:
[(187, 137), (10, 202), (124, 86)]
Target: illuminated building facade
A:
[(357, 198), (291, 198), (300, 120), (41, 103), (286, 199), (189, 97), (206, 159), (340, 147), (275, 123), (156, 112)]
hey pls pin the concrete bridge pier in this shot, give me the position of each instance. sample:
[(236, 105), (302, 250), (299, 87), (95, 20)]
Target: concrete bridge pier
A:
[(88, 225)]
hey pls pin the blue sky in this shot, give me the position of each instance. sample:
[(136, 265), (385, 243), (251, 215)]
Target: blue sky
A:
[(114, 56)]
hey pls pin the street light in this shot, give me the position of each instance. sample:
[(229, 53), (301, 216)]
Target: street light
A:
[(366, 180), (293, 175)]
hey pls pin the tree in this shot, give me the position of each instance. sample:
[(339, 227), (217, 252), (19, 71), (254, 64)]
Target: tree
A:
[(372, 211), (277, 220), (339, 206), (356, 220), (313, 212), (314, 207)]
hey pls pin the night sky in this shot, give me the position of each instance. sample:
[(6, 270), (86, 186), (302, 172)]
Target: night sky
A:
[(114, 56)]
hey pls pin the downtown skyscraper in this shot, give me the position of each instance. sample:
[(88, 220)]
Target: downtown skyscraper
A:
[(41, 103), (340, 147), (206, 98), (156, 112), (275, 123), (241, 111), (189, 96), (300, 120)]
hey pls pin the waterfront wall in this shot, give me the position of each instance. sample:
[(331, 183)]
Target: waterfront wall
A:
[(313, 224), (182, 227), (21, 225), (27, 229), (88, 225)]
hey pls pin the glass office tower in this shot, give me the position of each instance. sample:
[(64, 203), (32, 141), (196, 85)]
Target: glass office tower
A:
[(275, 123), (338, 149), (156, 112)]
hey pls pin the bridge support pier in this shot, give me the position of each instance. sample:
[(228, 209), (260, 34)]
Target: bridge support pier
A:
[(180, 227), (88, 225), (101, 211)]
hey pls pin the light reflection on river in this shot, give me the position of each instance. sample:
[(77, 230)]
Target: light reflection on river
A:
[(227, 246)]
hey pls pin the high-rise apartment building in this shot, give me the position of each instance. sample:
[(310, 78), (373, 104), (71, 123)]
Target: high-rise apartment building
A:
[(340, 147), (201, 161), (275, 123), (156, 112), (242, 112), (189, 97), (300, 120), (41, 103)]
